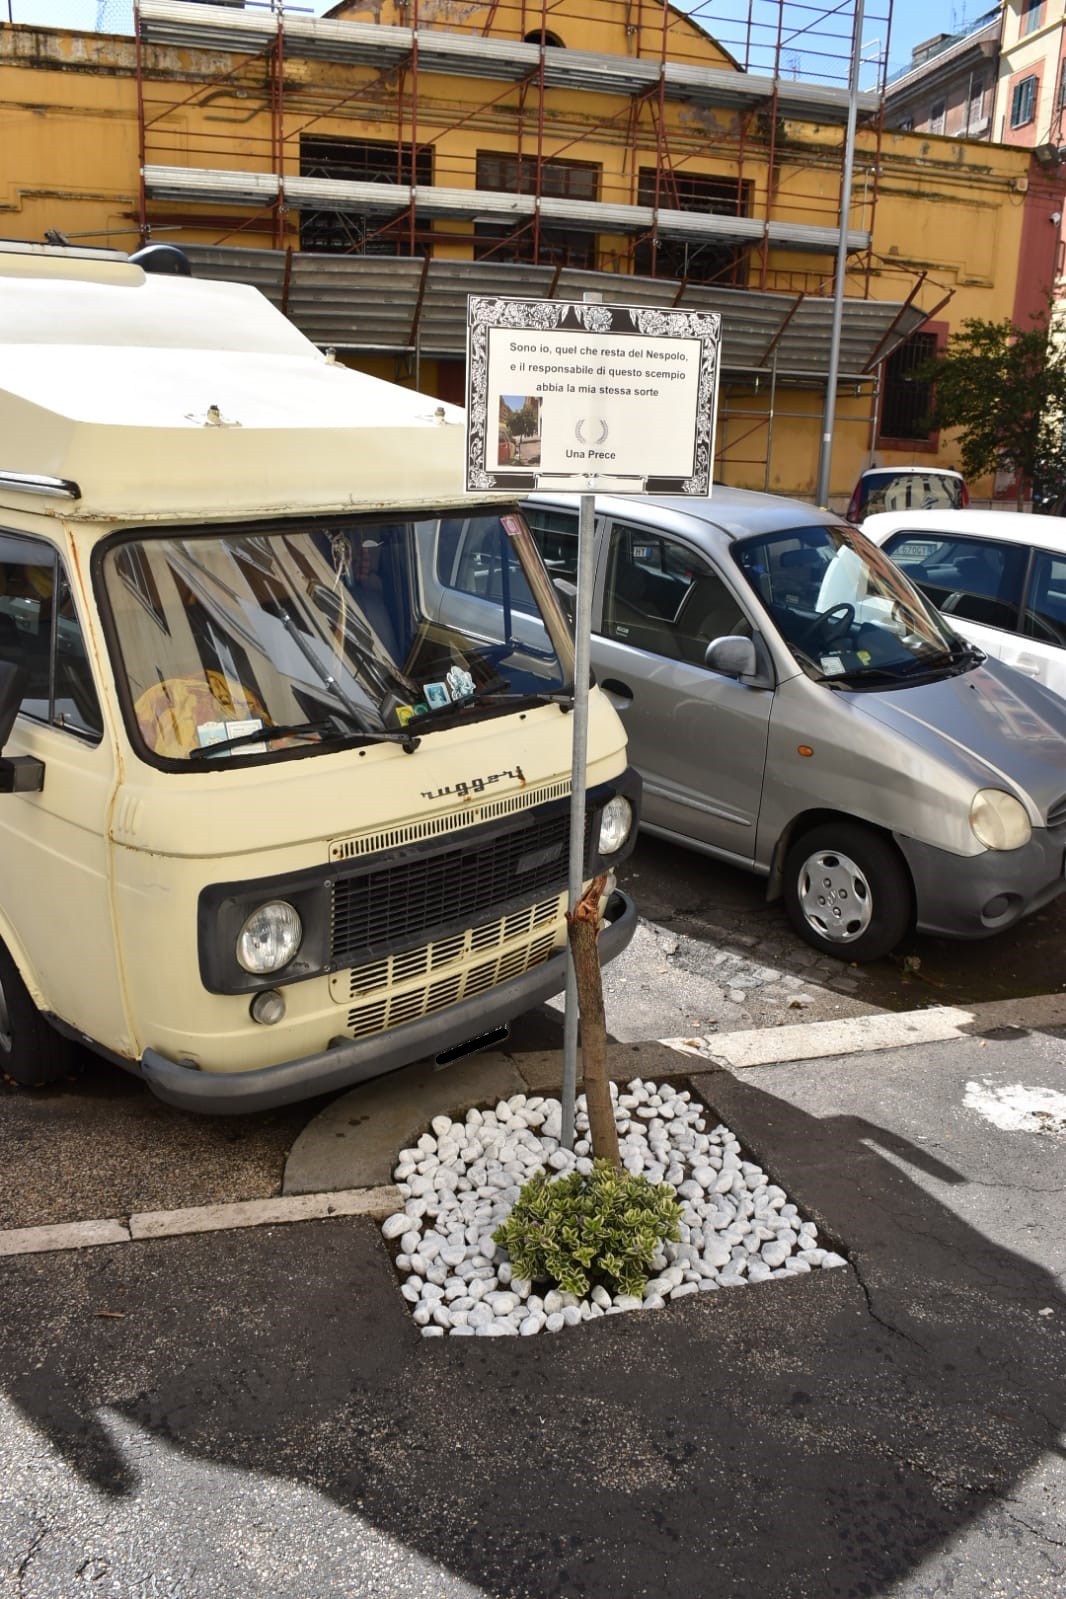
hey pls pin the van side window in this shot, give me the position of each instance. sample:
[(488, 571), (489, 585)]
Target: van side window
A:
[(1045, 610), (976, 580), (40, 631), (663, 597)]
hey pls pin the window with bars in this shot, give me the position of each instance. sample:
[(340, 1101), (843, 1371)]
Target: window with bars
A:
[(1023, 102), (358, 161), (699, 261), (905, 399)]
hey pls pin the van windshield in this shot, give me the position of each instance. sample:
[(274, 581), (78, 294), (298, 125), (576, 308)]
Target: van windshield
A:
[(248, 642), (845, 610)]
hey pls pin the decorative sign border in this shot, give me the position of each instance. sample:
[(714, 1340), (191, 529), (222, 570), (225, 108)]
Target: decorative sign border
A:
[(486, 313)]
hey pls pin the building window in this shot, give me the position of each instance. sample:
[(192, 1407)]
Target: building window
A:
[(698, 261), (906, 401), (1032, 16), (974, 114), (937, 116), (563, 180), (1023, 102), (359, 161)]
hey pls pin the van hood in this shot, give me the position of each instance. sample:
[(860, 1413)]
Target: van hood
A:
[(1009, 731)]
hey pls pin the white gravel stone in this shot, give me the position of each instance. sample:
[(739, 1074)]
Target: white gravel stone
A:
[(459, 1181)]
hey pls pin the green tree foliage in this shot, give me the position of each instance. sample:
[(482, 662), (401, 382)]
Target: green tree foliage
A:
[(577, 1230), (1004, 388)]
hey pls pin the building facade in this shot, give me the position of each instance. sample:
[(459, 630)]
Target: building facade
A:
[(371, 168)]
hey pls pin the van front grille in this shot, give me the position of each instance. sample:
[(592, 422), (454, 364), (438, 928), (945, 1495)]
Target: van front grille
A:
[(402, 988), (397, 904)]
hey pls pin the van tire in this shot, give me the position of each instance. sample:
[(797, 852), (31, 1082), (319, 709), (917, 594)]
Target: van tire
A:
[(31, 1052), (846, 879)]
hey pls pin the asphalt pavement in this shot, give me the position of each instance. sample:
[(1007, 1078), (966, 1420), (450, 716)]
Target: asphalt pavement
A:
[(250, 1411)]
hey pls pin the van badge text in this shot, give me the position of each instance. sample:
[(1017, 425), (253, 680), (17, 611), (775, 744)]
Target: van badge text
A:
[(475, 785)]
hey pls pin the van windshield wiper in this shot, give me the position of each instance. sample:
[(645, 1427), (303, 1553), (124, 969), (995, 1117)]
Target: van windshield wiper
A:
[(325, 730), (493, 697)]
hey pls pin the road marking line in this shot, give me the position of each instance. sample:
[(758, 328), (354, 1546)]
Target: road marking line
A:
[(770, 1046), (376, 1203)]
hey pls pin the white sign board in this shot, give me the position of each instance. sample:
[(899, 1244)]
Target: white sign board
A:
[(578, 395)]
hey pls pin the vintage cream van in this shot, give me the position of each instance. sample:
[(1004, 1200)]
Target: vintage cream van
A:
[(286, 752)]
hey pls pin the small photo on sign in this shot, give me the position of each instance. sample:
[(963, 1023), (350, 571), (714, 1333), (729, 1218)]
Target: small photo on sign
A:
[(519, 435)]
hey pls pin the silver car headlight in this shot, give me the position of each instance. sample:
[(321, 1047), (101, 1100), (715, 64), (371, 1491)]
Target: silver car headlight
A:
[(269, 938), (999, 820), (616, 823)]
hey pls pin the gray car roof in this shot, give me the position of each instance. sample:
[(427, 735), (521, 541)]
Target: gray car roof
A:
[(736, 513)]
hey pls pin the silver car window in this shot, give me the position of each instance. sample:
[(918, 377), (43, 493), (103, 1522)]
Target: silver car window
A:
[(664, 597), (842, 606)]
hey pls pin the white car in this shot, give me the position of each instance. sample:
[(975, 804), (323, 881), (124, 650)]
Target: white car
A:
[(998, 576)]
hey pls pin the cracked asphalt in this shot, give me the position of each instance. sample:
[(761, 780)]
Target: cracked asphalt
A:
[(253, 1414)]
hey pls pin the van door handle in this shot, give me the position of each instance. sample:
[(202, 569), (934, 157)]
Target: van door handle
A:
[(619, 694)]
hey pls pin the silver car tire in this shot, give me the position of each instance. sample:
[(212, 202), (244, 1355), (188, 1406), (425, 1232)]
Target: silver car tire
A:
[(32, 1053), (847, 892)]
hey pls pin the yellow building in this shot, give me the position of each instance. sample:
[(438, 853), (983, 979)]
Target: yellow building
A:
[(370, 168)]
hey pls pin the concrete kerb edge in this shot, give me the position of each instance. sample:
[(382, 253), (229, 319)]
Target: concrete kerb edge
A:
[(540, 1073)]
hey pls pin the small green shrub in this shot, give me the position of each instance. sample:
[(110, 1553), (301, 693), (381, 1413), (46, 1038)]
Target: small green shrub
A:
[(604, 1228)]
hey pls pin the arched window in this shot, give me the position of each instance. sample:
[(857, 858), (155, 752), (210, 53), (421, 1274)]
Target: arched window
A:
[(542, 36)]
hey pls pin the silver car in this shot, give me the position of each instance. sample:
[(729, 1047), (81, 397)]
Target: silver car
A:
[(796, 707)]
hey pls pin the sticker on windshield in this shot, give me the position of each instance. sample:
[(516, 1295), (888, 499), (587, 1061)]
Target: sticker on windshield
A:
[(218, 732), (832, 665), (460, 683), (436, 694)]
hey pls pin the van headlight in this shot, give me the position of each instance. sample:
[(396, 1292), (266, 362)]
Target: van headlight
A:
[(999, 820), (269, 938), (616, 822)]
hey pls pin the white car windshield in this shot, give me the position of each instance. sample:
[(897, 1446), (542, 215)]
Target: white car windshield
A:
[(260, 641), (844, 609)]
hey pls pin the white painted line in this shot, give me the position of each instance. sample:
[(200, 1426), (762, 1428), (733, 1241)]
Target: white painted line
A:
[(64, 1235), (265, 1212), (768, 1046)]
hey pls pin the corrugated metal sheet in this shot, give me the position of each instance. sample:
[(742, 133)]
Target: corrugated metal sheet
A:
[(374, 304)]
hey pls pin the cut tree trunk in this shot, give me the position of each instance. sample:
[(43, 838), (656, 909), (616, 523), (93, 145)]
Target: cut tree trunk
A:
[(584, 924)]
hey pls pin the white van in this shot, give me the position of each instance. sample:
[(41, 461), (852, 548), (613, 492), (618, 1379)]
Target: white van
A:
[(286, 759)]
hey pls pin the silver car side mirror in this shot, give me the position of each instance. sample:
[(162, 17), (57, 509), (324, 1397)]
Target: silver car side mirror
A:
[(732, 656)]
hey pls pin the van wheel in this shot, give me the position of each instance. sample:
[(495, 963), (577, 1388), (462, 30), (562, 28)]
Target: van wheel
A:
[(847, 892), (31, 1051)]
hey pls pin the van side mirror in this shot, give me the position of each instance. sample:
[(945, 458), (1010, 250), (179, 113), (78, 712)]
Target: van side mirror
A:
[(732, 656), (19, 774)]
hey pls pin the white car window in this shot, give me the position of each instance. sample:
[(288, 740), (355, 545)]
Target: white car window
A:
[(1045, 611)]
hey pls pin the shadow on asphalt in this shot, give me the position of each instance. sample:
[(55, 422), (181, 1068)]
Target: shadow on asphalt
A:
[(820, 1437)]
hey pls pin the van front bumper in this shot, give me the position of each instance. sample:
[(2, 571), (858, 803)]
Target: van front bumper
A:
[(974, 896), (357, 1060)]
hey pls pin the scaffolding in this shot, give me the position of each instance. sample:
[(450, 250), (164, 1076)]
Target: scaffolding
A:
[(379, 170)]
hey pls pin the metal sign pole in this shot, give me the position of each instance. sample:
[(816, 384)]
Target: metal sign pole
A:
[(582, 669), (826, 452)]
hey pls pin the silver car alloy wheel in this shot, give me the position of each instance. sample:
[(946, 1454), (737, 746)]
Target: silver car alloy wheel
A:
[(834, 896)]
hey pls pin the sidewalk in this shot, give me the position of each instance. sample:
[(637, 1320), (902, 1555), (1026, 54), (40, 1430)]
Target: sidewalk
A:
[(251, 1412)]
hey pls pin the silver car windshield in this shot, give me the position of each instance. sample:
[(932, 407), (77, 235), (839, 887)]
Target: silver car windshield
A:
[(845, 610), (258, 642)]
